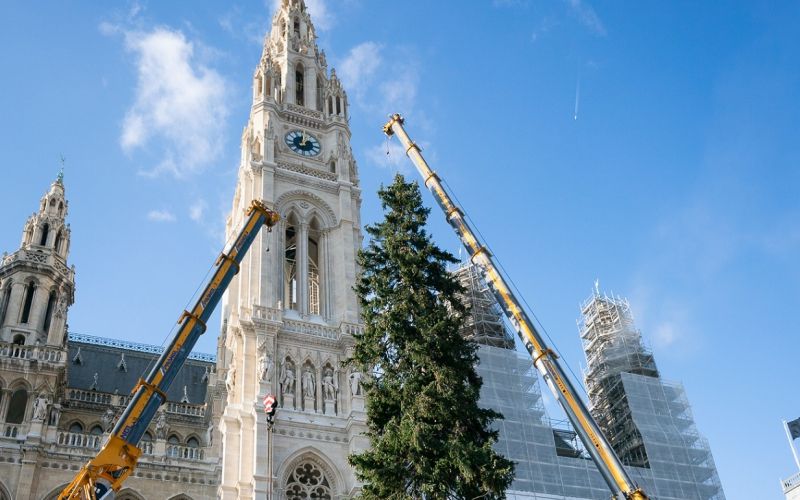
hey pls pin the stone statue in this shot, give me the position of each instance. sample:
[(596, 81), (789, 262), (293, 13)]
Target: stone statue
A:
[(94, 383), (230, 378), (39, 408), (355, 383), (55, 415), (329, 384), (265, 366), (210, 433), (308, 383), (287, 377), (161, 425), (107, 419)]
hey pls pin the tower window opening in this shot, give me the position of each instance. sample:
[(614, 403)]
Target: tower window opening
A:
[(26, 308), (260, 86), (299, 86), (297, 27), (60, 207), (338, 105), (57, 244), (290, 263), (45, 231), (48, 315), (314, 289), (330, 105), (320, 86), (4, 303), (333, 166), (17, 406), (18, 339), (76, 428)]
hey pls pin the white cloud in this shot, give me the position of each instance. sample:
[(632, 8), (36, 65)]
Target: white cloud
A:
[(358, 68), (587, 16), (161, 216), (197, 210), (180, 106)]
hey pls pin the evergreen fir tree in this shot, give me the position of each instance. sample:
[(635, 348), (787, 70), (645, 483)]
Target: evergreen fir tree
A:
[(430, 439)]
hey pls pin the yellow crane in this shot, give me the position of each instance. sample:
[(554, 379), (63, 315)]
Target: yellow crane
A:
[(117, 459), (544, 358)]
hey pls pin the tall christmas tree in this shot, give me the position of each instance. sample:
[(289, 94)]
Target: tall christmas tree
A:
[(430, 439)]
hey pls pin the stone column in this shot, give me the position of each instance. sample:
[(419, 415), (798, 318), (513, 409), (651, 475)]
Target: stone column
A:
[(14, 304), (302, 269), (5, 397)]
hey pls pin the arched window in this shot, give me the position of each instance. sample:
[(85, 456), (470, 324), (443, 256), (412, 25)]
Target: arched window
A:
[(17, 406), (173, 449), (76, 428), (193, 442), (60, 207), (290, 266), (57, 244), (4, 302), (96, 431), (259, 86), (313, 269), (320, 85), (297, 26), (48, 314), (19, 339), (308, 481), (45, 231), (333, 166), (330, 105), (30, 290), (299, 85), (338, 105)]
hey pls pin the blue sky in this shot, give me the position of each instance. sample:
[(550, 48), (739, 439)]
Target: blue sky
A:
[(650, 145)]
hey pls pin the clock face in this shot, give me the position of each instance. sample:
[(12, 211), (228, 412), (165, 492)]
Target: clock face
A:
[(302, 143)]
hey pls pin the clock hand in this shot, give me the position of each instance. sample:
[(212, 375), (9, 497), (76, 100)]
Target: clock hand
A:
[(303, 139)]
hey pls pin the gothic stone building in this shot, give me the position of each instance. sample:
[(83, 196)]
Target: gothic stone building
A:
[(288, 321)]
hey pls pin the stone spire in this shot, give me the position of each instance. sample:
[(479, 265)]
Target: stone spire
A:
[(36, 285)]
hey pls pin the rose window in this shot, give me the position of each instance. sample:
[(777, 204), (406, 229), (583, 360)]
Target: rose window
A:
[(307, 482)]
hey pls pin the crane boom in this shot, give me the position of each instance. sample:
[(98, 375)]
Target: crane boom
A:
[(117, 459), (544, 358)]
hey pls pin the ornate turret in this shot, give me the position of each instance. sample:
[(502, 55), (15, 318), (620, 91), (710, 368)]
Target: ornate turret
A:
[(36, 285)]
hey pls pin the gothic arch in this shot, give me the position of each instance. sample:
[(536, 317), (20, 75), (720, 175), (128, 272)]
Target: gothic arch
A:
[(286, 201), (20, 383), (53, 494), (317, 459), (181, 496), (128, 494), (4, 493)]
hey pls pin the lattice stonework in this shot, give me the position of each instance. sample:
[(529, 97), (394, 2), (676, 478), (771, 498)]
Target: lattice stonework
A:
[(308, 482)]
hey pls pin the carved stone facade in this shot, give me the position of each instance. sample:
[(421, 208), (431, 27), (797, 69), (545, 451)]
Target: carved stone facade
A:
[(60, 395), (290, 313)]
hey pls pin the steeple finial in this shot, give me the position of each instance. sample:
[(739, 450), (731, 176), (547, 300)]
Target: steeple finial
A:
[(60, 178)]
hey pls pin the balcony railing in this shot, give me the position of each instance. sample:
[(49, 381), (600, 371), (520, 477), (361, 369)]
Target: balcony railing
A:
[(31, 352), (80, 440), (184, 452)]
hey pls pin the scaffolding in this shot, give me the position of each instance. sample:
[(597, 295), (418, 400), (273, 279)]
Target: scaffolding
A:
[(484, 323), (647, 420), (613, 346)]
